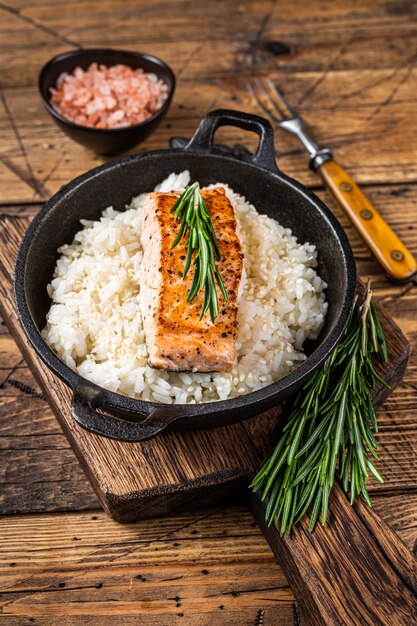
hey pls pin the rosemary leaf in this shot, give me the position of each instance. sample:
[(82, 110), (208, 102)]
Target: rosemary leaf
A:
[(201, 243), (330, 432)]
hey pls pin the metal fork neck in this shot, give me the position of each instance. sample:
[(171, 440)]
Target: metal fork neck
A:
[(322, 156), (318, 155)]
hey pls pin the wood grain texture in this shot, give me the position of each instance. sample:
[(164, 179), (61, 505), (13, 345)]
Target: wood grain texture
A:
[(68, 566), (209, 567), (350, 68), (355, 571)]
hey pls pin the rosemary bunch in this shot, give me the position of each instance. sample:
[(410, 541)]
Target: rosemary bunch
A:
[(330, 431), (201, 242)]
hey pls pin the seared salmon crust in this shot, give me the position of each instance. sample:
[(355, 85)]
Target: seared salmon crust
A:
[(176, 338)]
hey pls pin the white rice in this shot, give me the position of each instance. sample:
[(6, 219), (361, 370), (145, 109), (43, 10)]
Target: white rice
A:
[(94, 324)]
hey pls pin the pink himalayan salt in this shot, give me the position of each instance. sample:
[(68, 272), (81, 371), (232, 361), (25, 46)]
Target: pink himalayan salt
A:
[(108, 97)]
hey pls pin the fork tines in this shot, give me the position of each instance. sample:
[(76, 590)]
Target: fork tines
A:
[(270, 99)]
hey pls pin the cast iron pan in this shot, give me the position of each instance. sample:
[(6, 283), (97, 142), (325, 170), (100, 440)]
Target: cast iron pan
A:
[(114, 184)]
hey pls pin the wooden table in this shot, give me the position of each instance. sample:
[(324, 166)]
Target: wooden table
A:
[(350, 67)]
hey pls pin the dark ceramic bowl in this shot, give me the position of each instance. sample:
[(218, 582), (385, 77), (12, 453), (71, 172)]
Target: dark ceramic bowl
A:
[(105, 141), (264, 185)]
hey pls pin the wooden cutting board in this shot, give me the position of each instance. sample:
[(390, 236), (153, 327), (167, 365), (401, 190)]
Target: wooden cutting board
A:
[(355, 571)]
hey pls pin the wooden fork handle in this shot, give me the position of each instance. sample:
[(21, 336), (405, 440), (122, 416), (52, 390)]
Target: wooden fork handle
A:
[(393, 256)]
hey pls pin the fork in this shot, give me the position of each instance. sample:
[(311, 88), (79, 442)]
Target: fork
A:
[(387, 248)]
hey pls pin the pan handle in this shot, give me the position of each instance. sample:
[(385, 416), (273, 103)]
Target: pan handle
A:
[(87, 399), (202, 140)]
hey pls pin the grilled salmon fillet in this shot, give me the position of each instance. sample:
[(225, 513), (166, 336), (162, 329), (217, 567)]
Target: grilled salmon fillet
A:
[(176, 338)]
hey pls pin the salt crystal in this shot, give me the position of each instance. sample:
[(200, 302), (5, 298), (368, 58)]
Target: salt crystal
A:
[(108, 97)]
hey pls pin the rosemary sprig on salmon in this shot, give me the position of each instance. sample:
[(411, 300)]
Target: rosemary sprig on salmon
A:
[(202, 249)]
